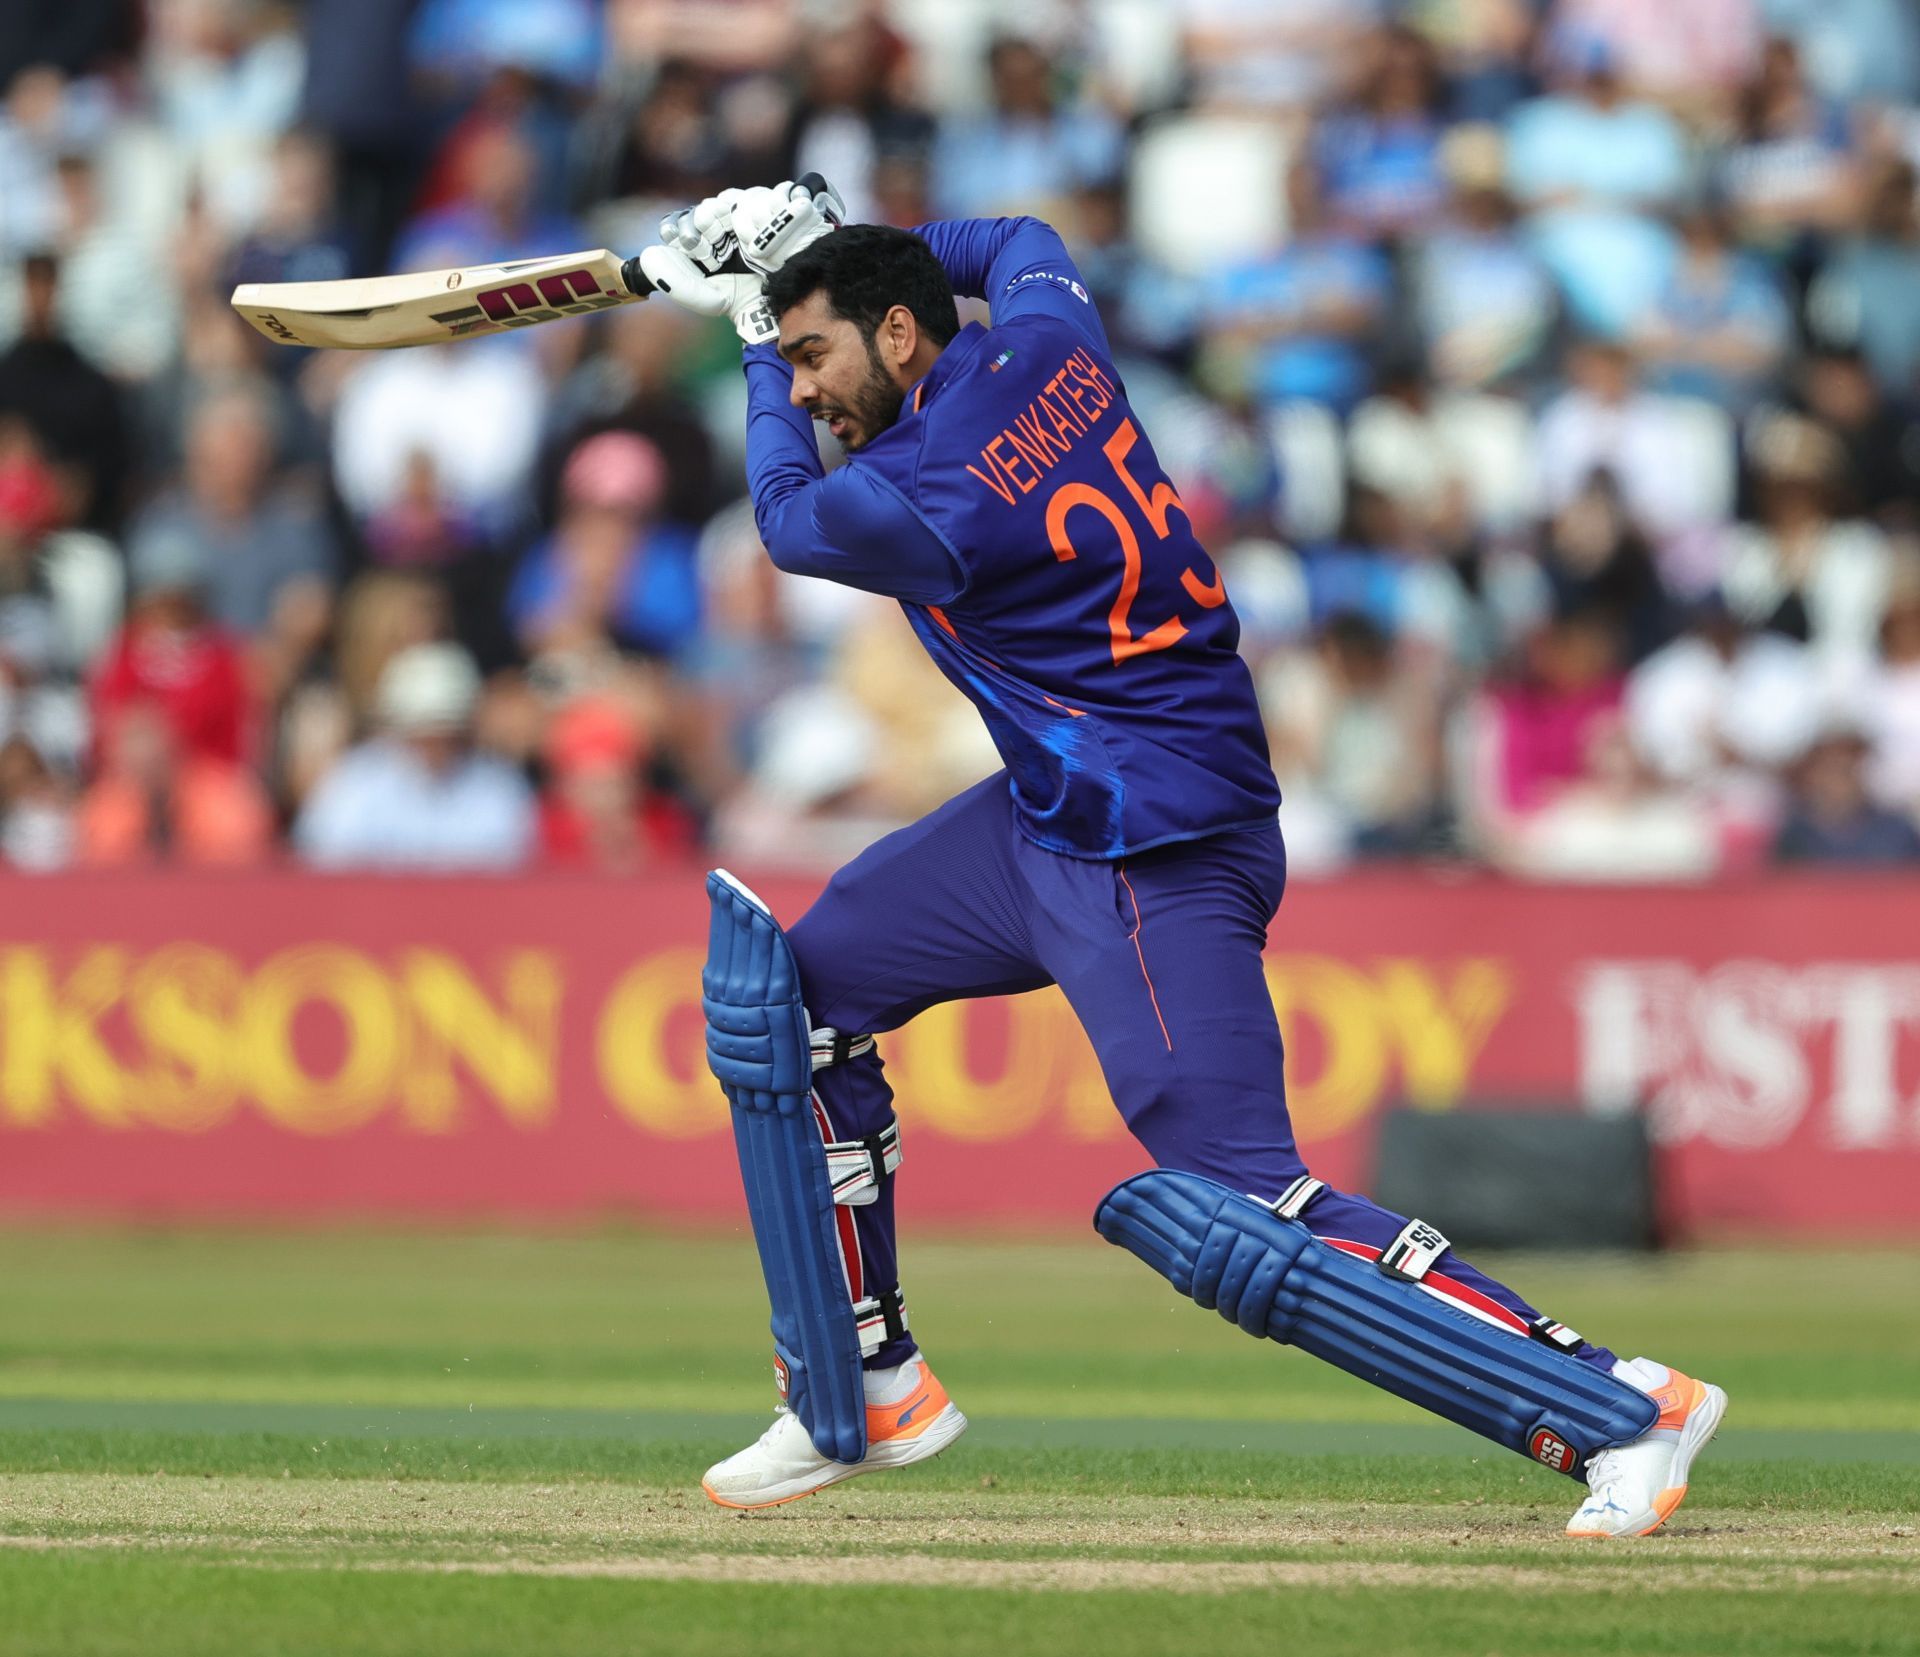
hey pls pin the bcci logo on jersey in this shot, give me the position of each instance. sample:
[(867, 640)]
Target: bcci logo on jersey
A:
[(1066, 282)]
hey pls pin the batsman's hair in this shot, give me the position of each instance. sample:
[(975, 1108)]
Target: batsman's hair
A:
[(865, 270)]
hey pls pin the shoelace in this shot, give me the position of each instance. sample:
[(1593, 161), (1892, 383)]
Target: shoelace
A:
[(1603, 1470), (780, 1412)]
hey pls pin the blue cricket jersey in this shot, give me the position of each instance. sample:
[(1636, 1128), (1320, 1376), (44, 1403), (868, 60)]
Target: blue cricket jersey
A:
[(1017, 512)]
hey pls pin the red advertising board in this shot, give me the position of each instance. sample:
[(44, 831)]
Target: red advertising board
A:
[(303, 1045)]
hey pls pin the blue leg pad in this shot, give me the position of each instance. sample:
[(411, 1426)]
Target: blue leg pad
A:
[(1273, 1277), (757, 1046)]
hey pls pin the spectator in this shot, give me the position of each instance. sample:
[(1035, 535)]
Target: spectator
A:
[(226, 80), (153, 803), (1791, 173), (1800, 570), (494, 212), (1607, 421), (847, 124), (1354, 730), (1868, 294), (381, 613), (297, 237), (1593, 169), (1596, 559), (129, 341), (1382, 568), (662, 141), (1484, 302), (1262, 55), (1719, 327), (1486, 48), (1722, 699), (75, 411), (36, 704), (475, 409), (1029, 154), (268, 556), (614, 574), (418, 796), (1866, 50), (641, 381), (1882, 476), (218, 353), (1889, 703), (1398, 446), (1693, 56), (172, 655), (1379, 157), (63, 38), (359, 97), (1589, 141), (35, 120), (1534, 732), (36, 821), (1149, 312), (73, 575), (422, 529), (1617, 821), (598, 812), (1299, 324), (1832, 817)]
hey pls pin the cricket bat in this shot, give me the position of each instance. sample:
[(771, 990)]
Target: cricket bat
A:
[(380, 313)]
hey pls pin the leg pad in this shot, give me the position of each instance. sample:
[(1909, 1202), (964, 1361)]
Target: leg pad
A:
[(759, 1047), (1273, 1277)]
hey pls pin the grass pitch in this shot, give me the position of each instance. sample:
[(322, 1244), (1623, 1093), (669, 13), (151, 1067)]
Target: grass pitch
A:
[(380, 1442)]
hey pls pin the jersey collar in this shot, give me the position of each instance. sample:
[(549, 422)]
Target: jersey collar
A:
[(957, 355)]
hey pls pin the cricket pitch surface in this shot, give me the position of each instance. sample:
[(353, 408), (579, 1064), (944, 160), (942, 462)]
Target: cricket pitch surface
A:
[(393, 1442)]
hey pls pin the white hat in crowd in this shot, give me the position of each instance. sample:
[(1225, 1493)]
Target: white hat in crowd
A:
[(428, 687)]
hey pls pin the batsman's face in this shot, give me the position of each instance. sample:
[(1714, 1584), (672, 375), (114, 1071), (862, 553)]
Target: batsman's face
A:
[(840, 376)]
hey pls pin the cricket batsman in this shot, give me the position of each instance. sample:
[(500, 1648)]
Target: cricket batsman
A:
[(1000, 487)]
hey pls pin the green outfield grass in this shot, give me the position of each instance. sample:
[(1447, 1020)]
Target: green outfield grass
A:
[(384, 1442)]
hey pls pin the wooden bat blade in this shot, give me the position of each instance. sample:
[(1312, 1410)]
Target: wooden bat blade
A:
[(378, 313)]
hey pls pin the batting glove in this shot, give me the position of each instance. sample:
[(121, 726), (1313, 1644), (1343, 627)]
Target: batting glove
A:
[(771, 226), (704, 231), (738, 298)]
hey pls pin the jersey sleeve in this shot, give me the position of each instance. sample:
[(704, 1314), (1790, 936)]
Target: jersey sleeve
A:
[(1021, 268), (848, 526)]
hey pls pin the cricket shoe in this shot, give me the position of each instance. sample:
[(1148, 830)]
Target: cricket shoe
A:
[(1635, 1487), (909, 1418)]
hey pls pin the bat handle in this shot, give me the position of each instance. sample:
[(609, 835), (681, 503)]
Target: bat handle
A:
[(816, 186)]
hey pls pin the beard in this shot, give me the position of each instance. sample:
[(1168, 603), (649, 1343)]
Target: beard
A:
[(874, 406)]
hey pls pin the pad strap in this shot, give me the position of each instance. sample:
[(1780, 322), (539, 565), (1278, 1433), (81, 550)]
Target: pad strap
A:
[(856, 1167), (1292, 1202), (879, 1319), (1411, 1255), (827, 1047), (1556, 1334)]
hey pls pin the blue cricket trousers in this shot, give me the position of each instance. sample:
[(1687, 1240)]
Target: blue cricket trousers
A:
[(1157, 953)]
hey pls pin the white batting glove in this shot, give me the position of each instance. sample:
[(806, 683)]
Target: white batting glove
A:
[(771, 226), (704, 231), (738, 298)]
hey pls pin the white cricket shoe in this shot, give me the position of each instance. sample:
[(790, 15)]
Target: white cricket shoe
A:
[(1635, 1487), (909, 1418)]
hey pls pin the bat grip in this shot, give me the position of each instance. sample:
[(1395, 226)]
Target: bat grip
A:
[(635, 278), (815, 185)]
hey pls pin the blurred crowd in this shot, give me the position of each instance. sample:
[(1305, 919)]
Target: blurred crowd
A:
[(1543, 373)]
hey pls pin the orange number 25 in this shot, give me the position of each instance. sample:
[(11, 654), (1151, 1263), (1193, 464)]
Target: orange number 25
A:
[(1157, 509)]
